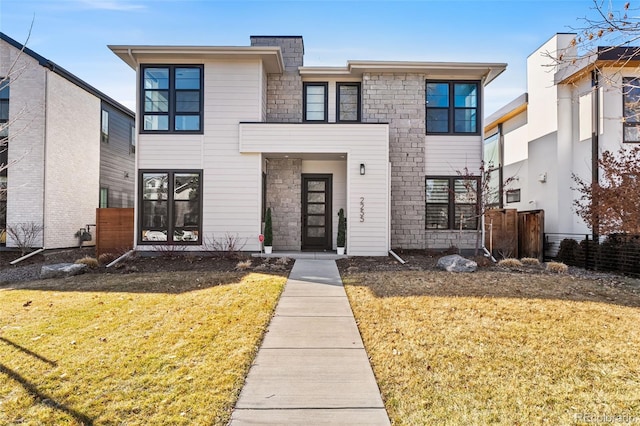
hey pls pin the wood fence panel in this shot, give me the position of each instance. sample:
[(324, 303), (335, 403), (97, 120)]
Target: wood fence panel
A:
[(501, 232), (114, 230), (531, 234)]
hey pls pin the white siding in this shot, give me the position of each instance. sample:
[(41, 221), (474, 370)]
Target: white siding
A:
[(72, 156), (447, 154), (362, 143)]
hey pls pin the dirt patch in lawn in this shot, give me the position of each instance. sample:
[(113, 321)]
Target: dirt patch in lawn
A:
[(29, 269)]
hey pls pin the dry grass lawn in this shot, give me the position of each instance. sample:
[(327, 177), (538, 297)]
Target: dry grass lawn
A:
[(171, 348), (499, 348)]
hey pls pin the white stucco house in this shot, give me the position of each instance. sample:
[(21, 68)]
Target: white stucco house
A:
[(70, 149), (243, 128), (564, 122)]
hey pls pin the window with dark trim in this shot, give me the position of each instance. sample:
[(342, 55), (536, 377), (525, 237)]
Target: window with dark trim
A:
[(513, 196), (132, 139), (172, 98), (4, 112), (631, 108), (451, 200), (348, 103), (104, 126), (104, 198), (452, 107), (170, 207), (315, 102)]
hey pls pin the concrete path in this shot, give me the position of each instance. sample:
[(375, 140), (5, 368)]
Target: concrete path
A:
[(312, 367)]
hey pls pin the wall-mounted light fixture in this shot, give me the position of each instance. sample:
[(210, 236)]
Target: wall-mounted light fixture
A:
[(362, 169), (542, 177)]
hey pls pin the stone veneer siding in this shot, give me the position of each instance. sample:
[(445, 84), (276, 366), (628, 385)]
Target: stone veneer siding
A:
[(284, 186), (399, 99), (284, 92)]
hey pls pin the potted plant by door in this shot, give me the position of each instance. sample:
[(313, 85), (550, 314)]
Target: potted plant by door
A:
[(342, 231), (268, 232)]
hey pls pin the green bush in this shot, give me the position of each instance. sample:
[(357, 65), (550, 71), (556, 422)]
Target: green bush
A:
[(268, 229), (342, 229)]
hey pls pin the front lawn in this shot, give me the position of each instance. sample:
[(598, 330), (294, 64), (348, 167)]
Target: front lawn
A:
[(171, 348), (499, 348)]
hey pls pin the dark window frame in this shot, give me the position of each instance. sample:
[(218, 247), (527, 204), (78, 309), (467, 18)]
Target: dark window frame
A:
[(629, 83), (451, 108), (170, 228), (513, 193), (104, 125), (171, 99), (132, 139), (451, 204), (304, 100), (359, 105)]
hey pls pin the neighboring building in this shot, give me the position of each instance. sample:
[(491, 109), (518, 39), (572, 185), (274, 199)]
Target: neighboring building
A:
[(546, 135), (71, 148), (225, 132)]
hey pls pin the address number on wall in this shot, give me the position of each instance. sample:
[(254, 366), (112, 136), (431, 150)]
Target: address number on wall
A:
[(361, 209)]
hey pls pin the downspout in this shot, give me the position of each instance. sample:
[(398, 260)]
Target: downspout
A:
[(500, 166), (595, 148), (482, 230), (44, 152)]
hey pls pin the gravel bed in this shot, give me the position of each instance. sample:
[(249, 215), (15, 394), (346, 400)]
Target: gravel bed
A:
[(20, 273)]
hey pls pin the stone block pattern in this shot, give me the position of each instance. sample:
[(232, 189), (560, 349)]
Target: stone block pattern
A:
[(284, 195), (284, 92), (444, 239), (399, 99)]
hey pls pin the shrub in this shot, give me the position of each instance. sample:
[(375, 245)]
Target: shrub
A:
[(106, 258), (243, 265), (268, 229), (24, 235), (91, 262), (529, 261), (342, 228), (557, 267), (510, 263), (570, 252)]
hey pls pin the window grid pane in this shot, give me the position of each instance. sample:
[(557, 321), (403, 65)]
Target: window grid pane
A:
[(438, 95), (348, 102), (452, 107), (315, 104)]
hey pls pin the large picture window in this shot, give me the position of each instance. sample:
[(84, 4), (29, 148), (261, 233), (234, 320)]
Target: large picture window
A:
[(631, 100), (172, 98), (452, 201), (348, 104), (315, 102), (170, 210), (452, 107)]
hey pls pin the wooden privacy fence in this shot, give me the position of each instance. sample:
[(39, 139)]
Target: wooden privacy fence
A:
[(501, 232), (531, 234), (509, 233), (114, 230)]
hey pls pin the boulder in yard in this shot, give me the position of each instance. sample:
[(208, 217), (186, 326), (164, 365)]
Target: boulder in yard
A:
[(456, 263), (61, 270)]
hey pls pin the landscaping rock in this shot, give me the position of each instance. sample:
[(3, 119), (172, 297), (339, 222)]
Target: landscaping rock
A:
[(61, 270), (456, 263)]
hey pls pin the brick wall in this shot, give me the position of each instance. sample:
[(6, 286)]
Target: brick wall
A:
[(399, 99), (284, 196), (284, 92)]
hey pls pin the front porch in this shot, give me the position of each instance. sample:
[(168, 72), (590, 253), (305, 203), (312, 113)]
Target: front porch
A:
[(313, 255)]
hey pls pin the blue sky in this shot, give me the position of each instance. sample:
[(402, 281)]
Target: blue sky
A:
[(75, 33)]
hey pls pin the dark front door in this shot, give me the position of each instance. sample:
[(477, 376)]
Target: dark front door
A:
[(316, 212)]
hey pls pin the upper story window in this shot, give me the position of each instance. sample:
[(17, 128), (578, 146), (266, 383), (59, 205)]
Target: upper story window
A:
[(4, 110), (631, 104), (172, 98), (132, 139), (348, 103), (315, 102), (452, 107), (104, 129)]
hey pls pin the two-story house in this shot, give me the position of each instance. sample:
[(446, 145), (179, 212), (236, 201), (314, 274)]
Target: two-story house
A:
[(69, 149), (560, 127), (226, 131)]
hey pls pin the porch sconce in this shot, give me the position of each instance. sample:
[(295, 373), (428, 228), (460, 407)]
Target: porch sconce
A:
[(542, 177), (361, 169)]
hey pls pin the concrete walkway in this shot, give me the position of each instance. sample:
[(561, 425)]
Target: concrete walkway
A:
[(312, 367)]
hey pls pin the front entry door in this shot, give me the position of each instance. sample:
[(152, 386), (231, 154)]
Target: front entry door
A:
[(316, 212)]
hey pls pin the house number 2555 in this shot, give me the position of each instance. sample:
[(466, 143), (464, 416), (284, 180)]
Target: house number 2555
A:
[(361, 209)]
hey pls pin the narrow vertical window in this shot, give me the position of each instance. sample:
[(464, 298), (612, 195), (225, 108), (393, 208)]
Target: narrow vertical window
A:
[(104, 132), (132, 139), (315, 101), (4, 111), (631, 100), (438, 107), (104, 198), (348, 102)]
